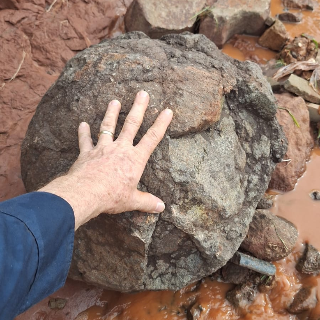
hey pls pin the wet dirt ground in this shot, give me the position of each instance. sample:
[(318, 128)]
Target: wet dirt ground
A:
[(86, 302)]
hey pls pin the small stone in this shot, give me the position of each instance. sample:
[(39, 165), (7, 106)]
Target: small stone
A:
[(304, 300), (270, 237), (300, 4), (232, 273), (57, 303), (158, 18), (300, 87), (313, 112), (267, 283), (275, 37), (270, 21), (266, 202), (242, 295), (290, 17), (309, 263)]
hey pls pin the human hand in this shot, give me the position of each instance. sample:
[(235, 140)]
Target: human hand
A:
[(104, 178)]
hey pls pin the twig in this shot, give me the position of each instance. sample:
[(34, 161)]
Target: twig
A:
[(52, 4), (16, 73)]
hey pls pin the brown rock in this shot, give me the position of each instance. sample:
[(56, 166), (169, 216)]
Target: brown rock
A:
[(300, 141), (157, 18), (301, 48), (227, 18), (266, 202), (304, 300), (309, 263), (49, 39), (300, 4), (270, 237), (290, 17), (275, 37), (242, 295)]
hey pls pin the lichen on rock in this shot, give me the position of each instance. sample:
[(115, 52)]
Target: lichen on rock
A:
[(211, 168)]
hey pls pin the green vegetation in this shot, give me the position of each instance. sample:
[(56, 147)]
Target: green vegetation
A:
[(207, 11), (292, 116)]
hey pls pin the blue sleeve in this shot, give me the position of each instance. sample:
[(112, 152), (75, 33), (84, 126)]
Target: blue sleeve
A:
[(36, 243)]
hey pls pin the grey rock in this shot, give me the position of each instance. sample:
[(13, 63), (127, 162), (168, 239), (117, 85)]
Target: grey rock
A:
[(290, 17), (211, 169), (300, 4), (227, 18), (270, 237), (157, 18), (313, 112), (300, 87), (270, 21), (266, 202), (304, 300), (233, 273), (242, 295), (309, 263), (315, 195)]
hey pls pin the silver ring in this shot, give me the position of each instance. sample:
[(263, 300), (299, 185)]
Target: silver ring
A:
[(105, 132)]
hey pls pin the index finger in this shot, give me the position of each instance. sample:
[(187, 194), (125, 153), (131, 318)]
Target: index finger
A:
[(155, 133)]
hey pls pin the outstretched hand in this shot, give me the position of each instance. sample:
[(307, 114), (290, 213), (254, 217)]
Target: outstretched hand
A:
[(104, 178)]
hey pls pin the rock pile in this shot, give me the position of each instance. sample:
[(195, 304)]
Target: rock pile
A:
[(211, 169)]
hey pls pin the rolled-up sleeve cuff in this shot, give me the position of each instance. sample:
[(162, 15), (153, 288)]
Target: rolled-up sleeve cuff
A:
[(51, 221)]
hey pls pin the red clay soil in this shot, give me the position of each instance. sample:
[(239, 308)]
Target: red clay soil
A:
[(37, 38)]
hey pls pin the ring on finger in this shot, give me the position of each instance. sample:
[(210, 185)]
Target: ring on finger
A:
[(105, 132)]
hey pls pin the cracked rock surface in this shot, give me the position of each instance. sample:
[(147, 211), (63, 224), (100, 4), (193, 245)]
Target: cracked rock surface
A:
[(211, 169)]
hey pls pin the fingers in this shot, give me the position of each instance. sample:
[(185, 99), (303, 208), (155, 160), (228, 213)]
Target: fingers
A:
[(135, 117), (146, 202), (84, 136), (109, 123), (155, 133)]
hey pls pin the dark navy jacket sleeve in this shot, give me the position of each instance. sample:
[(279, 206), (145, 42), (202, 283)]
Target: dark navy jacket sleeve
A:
[(36, 243)]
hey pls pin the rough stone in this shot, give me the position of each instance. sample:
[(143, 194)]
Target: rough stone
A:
[(304, 300), (232, 273), (309, 263), (49, 40), (157, 18), (274, 37), (300, 142), (300, 4), (301, 48), (227, 18), (211, 169), (266, 202), (270, 237), (313, 112), (315, 195), (242, 295), (290, 17)]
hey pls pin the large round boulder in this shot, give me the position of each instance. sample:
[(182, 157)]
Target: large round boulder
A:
[(211, 169)]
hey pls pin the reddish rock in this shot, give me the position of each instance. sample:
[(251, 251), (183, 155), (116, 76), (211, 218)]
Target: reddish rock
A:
[(48, 39), (242, 295), (224, 19), (300, 142), (157, 18), (270, 237), (304, 300), (275, 37), (300, 4), (290, 17)]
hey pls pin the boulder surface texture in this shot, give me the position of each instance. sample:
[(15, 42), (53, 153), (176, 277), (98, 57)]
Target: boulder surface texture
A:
[(211, 168), (225, 18)]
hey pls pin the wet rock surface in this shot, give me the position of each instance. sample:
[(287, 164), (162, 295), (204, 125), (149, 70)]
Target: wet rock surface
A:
[(290, 17), (300, 4), (157, 18), (309, 263), (227, 18), (48, 39), (211, 169), (270, 237), (300, 142), (304, 300), (274, 37)]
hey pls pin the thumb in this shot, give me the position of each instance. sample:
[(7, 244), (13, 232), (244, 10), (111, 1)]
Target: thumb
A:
[(147, 202)]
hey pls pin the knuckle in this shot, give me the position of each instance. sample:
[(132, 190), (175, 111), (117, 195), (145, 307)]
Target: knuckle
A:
[(133, 121), (153, 135)]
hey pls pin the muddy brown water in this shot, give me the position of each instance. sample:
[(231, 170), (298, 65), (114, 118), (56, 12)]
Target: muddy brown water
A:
[(85, 302)]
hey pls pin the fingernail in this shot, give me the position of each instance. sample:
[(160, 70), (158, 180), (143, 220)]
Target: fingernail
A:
[(160, 207), (114, 103), (168, 111), (143, 94), (83, 124)]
